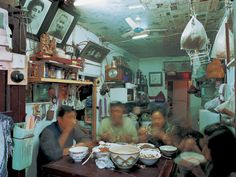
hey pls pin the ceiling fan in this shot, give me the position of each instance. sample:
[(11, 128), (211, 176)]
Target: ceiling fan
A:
[(137, 31)]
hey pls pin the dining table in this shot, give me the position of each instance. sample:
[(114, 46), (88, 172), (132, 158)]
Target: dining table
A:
[(66, 167)]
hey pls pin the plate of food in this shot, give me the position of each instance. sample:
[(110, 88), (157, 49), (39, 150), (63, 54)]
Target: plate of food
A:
[(145, 145)]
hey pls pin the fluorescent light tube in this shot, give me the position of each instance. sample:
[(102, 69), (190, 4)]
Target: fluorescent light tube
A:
[(136, 6)]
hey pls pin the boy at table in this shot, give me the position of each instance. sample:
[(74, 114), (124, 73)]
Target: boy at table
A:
[(117, 128), (56, 139)]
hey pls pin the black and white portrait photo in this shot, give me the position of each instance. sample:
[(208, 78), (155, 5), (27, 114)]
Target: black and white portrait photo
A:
[(60, 25), (36, 11)]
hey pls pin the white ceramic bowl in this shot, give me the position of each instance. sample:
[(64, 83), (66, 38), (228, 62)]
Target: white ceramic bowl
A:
[(149, 156), (78, 153), (124, 156), (168, 150)]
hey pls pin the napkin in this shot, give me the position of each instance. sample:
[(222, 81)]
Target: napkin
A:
[(104, 162)]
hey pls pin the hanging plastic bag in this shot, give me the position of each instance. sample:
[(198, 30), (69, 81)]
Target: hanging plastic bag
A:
[(215, 70), (212, 104), (228, 107), (219, 46), (194, 36), (198, 70)]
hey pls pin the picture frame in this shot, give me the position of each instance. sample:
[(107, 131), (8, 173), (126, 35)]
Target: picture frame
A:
[(94, 52), (155, 79), (62, 25), (37, 13)]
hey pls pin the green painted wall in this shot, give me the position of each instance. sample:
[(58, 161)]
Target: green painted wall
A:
[(156, 65)]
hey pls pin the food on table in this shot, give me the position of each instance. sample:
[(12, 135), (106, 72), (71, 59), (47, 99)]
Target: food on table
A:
[(145, 145), (149, 156), (103, 149)]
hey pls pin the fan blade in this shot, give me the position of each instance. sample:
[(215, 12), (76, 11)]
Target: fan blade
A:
[(131, 23), (128, 34), (156, 30)]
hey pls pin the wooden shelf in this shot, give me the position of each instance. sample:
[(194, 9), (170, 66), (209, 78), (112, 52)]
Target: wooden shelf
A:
[(57, 60), (62, 81), (231, 63)]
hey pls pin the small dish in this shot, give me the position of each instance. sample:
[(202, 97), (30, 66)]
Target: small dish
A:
[(168, 150), (78, 153)]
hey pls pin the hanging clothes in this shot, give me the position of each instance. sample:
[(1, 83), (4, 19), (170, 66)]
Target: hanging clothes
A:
[(6, 126)]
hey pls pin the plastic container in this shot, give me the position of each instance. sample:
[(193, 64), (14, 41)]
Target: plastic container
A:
[(23, 146)]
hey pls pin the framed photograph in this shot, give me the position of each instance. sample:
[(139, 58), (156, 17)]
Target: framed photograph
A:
[(94, 52), (36, 13), (155, 79), (62, 25)]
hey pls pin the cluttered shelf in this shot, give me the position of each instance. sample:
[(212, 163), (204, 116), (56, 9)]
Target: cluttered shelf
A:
[(64, 81), (78, 63)]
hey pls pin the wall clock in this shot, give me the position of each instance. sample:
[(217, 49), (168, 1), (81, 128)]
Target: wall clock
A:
[(120, 74), (112, 73)]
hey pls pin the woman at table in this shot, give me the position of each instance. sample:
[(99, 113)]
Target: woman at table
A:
[(163, 132), (219, 149), (160, 129)]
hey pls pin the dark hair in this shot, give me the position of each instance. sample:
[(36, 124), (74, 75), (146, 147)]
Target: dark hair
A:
[(210, 129), (64, 109), (222, 145), (116, 103), (34, 3), (160, 109)]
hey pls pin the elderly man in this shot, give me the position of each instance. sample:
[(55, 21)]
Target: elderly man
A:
[(56, 139), (117, 128), (60, 26)]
